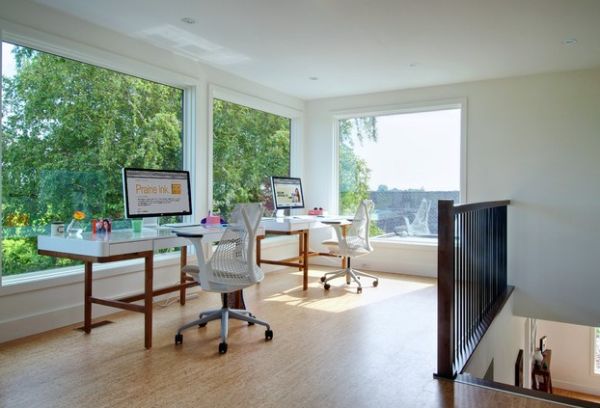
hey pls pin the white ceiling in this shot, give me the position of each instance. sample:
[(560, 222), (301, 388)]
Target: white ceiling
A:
[(360, 46)]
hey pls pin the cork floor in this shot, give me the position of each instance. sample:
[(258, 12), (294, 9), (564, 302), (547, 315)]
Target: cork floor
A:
[(330, 349)]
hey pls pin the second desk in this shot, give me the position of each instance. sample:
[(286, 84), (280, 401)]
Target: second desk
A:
[(298, 225)]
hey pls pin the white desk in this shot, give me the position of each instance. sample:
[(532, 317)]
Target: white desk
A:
[(297, 225), (121, 245)]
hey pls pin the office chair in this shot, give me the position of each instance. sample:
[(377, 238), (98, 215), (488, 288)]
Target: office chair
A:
[(350, 245), (230, 268), (420, 223)]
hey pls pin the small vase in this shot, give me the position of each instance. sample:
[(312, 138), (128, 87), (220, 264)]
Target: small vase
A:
[(75, 228)]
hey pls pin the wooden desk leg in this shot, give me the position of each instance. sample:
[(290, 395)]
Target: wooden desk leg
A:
[(235, 300), (300, 249), (87, 298), (258, 250), (148, 284), (182, 263), (305, 260)]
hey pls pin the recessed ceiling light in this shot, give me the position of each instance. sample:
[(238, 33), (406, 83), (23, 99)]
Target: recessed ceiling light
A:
[(570, 41), (313, 78), (188, 20)]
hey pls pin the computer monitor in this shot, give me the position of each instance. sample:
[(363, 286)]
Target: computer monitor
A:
[(287, 192), (156, 193)]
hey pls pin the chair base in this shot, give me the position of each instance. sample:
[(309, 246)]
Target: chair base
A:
[(351, 274), (224, 314)]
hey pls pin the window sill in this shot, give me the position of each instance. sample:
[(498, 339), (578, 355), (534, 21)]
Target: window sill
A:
[(67, 276), (412, 243)]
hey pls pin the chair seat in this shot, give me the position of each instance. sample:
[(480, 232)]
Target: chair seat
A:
[(223, 281), (334, 248)]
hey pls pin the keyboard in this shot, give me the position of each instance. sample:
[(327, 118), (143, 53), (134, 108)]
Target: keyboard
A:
[(182, 225)]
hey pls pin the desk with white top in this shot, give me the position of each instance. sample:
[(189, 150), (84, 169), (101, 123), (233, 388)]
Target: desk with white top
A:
[(297, 225), (122, 245)]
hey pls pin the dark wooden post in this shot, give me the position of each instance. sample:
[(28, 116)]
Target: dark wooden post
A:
[(445, 289)]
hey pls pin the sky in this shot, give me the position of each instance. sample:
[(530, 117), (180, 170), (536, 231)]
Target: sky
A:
[(8, 61), (415, 150)]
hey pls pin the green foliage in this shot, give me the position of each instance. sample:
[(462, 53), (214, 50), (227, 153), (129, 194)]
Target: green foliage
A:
[(248, 147), (354, 171), (68, 129)]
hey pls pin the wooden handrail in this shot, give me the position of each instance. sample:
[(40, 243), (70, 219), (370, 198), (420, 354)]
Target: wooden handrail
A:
[(445, 310), (472, 281), (462, 208)]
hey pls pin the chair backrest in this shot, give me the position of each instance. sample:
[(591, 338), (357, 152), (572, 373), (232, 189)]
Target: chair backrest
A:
[(233, 258), (357, 235), (420, 225)]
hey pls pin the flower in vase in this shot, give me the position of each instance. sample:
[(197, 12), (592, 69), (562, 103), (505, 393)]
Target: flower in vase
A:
[(79, 215)]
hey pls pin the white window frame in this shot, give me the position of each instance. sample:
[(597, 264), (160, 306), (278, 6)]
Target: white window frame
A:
[(45, 42), (593, 353), (416, 107), (296, 117)]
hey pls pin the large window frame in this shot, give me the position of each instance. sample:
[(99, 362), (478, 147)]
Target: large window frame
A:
[(594, 369), (296, 117), (31, 38), (416, 107)]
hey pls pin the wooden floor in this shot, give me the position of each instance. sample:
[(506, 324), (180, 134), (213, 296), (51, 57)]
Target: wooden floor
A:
[(576, 395), (330, 349)]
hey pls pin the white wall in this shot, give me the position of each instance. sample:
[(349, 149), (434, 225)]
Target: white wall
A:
[(572, 355), (534, 140), (502, 342), (39, 306)]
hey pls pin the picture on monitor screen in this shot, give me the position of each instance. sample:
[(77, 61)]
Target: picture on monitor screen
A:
[(287, 192), (155, 193)]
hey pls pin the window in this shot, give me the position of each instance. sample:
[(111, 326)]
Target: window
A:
[(404, 163), (68, 129), (249, 146), (596, 363)]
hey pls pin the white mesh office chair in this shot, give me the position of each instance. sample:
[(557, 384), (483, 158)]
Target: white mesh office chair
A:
[(350, 245), (420, 223), (231, 268)]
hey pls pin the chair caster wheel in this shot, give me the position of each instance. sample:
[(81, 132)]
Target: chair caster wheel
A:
[(323, 278), (327, 286), (202, 325), (268, 335), (222, 348), (375, 283), (178, 338), (359, 290)]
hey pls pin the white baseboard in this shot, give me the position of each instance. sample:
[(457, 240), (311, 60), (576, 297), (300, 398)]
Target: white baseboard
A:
[(41, 322)]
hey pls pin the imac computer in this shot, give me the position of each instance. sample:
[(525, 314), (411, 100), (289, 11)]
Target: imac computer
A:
[(156, 193), (287, 193)]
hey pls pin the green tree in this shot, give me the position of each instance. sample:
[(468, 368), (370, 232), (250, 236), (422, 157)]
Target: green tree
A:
[(248, 146), (68, 129), (354, 172)]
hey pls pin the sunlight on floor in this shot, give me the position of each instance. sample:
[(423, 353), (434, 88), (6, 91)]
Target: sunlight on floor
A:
[(342, 297)]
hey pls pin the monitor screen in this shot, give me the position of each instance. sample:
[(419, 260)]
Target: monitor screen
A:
[(154, 193), (287, 192)]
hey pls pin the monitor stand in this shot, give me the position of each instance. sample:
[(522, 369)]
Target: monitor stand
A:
[(280, 213)]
